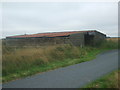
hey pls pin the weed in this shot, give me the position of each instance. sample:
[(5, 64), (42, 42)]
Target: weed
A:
[(20, 62)]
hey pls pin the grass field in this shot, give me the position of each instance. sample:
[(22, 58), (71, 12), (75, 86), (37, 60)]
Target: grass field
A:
[(22, 62), (108, 81), (113, 39)]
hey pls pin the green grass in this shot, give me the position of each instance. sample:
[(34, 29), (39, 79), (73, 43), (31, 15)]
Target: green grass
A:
[(22, 62), (49, 66), (108, 81)]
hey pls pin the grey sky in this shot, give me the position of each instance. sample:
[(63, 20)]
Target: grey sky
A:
[(20, 18)]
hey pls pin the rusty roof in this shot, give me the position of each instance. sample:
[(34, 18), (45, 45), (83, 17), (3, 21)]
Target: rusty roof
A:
[(52, 34)]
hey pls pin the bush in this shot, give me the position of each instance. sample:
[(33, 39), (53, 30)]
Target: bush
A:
[(109, 44)]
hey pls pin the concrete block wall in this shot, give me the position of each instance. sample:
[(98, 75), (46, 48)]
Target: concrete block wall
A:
[(77, 39), (36, 41)]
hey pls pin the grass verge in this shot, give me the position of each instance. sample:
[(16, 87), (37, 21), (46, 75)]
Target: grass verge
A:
[(51, 65), (22, 62), (108, 81)]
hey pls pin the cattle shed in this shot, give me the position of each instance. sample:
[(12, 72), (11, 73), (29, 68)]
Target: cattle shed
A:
[(77, 38)]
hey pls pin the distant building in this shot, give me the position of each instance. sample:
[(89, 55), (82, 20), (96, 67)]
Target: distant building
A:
[(77, 38)]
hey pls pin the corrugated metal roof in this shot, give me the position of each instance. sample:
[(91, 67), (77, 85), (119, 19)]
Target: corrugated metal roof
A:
[(54, 34)]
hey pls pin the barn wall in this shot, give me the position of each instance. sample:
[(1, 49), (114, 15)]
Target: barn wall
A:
[(77, 39), (36, 41), (93, 38), (98, 38), (89, 39)]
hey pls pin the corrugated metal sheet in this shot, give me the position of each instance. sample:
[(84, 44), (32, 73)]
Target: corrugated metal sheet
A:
[(55, 34)]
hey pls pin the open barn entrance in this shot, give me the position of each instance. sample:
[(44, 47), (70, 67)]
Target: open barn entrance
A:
[(89, 40)]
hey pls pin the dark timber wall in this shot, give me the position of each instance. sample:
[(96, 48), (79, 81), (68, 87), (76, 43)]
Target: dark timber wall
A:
[(94, 38)]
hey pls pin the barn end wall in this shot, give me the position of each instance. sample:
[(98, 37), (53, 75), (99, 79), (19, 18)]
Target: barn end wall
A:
[(98, 38), (94, 38), (77, 39)]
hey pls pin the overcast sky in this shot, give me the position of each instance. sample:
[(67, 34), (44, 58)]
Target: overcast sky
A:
[(20, 17)]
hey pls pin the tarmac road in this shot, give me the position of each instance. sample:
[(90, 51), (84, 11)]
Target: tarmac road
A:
[(74, 76)]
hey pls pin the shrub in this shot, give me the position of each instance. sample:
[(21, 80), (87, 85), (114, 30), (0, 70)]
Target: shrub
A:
[(109, 44)]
